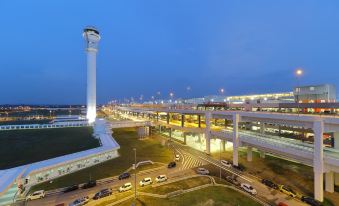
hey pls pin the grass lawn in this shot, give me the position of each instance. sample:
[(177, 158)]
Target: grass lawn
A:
[(216, 196), (180, 185), (19, 147), (147, 149)]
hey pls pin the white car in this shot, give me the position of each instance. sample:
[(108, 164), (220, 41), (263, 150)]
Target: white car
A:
[(36, 195), (177, 157), (145, 181), (161, 178), (80, 201), (127, 186), (226, 163), (248, 188), (203, 171)]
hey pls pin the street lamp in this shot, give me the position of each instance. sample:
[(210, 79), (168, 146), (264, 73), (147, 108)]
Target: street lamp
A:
[(222, 91), (171, 94), (298, 73), (135, 175)]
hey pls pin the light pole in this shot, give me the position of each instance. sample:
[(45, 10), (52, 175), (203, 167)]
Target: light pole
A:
[(220, 159), (298, 73), (222, 91), (135, 175)]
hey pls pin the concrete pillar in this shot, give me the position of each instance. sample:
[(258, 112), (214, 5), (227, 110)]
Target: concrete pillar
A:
[(226, 123), (236, 119), (329, 182), (167, 118), (262, 128), (336, 140), (223, 145), (336, 179), (159, 128), (318, 160), (262, 154), (207, 132), (249, 154), (170, 133), (182, 120), (199, 121), (157, 116), (184, 135), (141, 132)]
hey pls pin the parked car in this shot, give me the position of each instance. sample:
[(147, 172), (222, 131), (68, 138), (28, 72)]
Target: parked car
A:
[(239, 167), (146, 181), (269, 183), (177, 157), (310, 200), (89, 184), (36, 195), (71, 188), (125, 187), (102, 193), (287, 191), (124, 175), (282, 204), (171, 165), (80, 201), (202, 171), (248, 188), (233, 180), (226, 163), (161, 178)]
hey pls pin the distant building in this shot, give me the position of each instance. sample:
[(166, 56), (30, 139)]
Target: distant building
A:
[(315, 93)]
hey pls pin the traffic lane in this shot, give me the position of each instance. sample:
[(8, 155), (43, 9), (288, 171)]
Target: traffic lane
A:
[(115, 184), (263, 190)]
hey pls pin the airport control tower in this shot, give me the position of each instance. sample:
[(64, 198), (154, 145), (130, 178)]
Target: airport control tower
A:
[(92, 38)]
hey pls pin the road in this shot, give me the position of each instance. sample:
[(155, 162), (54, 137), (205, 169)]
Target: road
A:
[(264, 193), (189, 160)]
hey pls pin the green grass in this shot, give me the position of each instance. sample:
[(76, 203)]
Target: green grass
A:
[(148, 149), (20, 147), (180, 185), (216, 196)]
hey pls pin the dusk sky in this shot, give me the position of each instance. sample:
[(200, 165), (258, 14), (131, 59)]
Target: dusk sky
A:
[(245, 47)]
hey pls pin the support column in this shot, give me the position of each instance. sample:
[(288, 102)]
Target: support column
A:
[(159, 128), (262, 128), (223, 144), (207, 132), (329, 182), (336, 179), (157, 116), (184, 135), (167, 118), (226, 123), (182, 120), (170, 133), (199, 121), (318, 160), (249, 154), (236, 119), (262, 154), (336, 140)]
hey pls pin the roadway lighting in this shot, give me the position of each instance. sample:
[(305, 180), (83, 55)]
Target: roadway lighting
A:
[(299, 72), (171, 94), (222, 91)]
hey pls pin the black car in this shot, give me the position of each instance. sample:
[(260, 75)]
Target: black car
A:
[(310, 200), (239, 167), (89, 184), (71, 188), (269, 183), (124, 175), (171, 165), (102, 193)]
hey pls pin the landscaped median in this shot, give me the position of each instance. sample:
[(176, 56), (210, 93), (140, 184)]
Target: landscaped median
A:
[(193, 190)]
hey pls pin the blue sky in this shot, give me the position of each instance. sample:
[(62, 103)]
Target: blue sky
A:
[(242, 46)]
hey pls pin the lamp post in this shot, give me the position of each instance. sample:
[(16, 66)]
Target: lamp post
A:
[(220, 159), (135, 175), (298, 73)]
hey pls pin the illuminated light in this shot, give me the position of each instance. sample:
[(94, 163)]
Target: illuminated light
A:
[(265, 98), (299, 72)]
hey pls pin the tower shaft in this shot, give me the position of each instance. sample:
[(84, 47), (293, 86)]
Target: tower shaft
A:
[(91, 84)]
